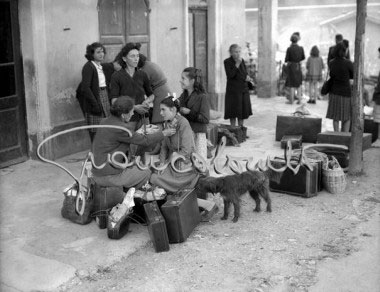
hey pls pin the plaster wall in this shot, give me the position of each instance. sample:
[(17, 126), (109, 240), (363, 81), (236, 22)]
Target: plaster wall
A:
[(54, 35), (169, 44)]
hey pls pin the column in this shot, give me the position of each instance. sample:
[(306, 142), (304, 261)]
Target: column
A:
[(267, 26)]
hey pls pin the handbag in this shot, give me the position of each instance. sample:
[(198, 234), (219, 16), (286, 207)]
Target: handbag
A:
[(326, 87), (251, 86)]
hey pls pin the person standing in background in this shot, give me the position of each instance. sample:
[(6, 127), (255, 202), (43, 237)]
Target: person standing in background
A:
[(159, 85), (331, 55), (376, 109), (339, 107), (314, 66), (93, 89), (346, 43), (195, 107), (294, 55), (237, 99)]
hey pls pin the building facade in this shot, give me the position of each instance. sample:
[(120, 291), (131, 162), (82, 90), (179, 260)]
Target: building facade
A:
[(46, 42)]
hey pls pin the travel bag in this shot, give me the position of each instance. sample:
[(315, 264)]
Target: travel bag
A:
[(181, 214), (104, 199), (305, 183), (156, 227), (343, 138), (307, 127), (239, 132)]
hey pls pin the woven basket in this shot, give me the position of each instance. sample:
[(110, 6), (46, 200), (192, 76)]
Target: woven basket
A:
[(333, 177)]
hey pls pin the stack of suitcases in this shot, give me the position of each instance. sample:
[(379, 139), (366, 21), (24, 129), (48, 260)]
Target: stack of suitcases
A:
[(174, 221)]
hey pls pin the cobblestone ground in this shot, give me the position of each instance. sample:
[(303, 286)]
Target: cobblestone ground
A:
[(280, 251)]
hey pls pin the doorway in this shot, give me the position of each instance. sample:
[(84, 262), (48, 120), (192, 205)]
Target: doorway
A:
[(121, 22), (13, 137), (198, 40)]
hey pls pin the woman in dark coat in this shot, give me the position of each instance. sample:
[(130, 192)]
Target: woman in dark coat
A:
[(108, 141), (341, 71), (93, 90), (159, 84), (237, 100), (294, 55)]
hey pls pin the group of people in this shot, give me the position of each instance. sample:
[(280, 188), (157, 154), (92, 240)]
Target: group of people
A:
[(340, 72), (131, 92)]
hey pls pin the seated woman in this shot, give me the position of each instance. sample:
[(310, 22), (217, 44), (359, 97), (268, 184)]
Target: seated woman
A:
[(108, 141), (182, 143)]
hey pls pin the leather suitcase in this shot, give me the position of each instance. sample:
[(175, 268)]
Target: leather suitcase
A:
[(305, 183), (104, 198), (181, 214), (307, 127), (342, 138), (156, 227), (296, 141)]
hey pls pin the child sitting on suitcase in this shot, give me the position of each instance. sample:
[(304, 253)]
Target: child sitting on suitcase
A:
[(181, 143)]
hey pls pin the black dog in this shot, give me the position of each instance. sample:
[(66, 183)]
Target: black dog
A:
[(231, 187)]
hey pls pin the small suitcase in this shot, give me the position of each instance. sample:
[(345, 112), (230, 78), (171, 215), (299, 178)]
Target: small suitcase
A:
[(296, 141), (156, 227), (304, 183), (308, 127), (104, 199), (343, 138), (181, 214)]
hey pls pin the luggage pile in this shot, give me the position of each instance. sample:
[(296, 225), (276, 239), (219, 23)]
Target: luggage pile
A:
[(169, 220), (309, 169)]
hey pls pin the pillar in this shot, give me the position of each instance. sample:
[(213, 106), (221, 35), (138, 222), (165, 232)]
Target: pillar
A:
[(267, 26)]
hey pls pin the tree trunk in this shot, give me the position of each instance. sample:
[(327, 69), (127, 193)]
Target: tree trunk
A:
[(356, 143)]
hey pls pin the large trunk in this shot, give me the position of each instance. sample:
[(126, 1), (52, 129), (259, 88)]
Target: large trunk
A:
[(356, 151)]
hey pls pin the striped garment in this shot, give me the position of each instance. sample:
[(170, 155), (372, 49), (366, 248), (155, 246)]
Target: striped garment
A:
[(95, 120), (339, 108)]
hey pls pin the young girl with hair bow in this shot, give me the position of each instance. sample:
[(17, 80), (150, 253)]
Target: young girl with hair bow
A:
[(195, 107)]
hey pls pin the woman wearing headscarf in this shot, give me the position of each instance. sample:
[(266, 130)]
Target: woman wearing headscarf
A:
[(237, 100)]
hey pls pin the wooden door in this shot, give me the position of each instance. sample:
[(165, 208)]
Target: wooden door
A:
[(121, 22), (13, 139), (198, 40)]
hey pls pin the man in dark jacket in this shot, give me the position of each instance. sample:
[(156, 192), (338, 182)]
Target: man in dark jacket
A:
[(331, 55)]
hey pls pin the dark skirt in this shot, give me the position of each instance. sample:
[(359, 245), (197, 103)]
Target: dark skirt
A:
[(237, 105), (294, 75), (339, 108), (95, 120), (172, 181)]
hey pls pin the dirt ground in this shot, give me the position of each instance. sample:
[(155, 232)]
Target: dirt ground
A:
[(290, 249)]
